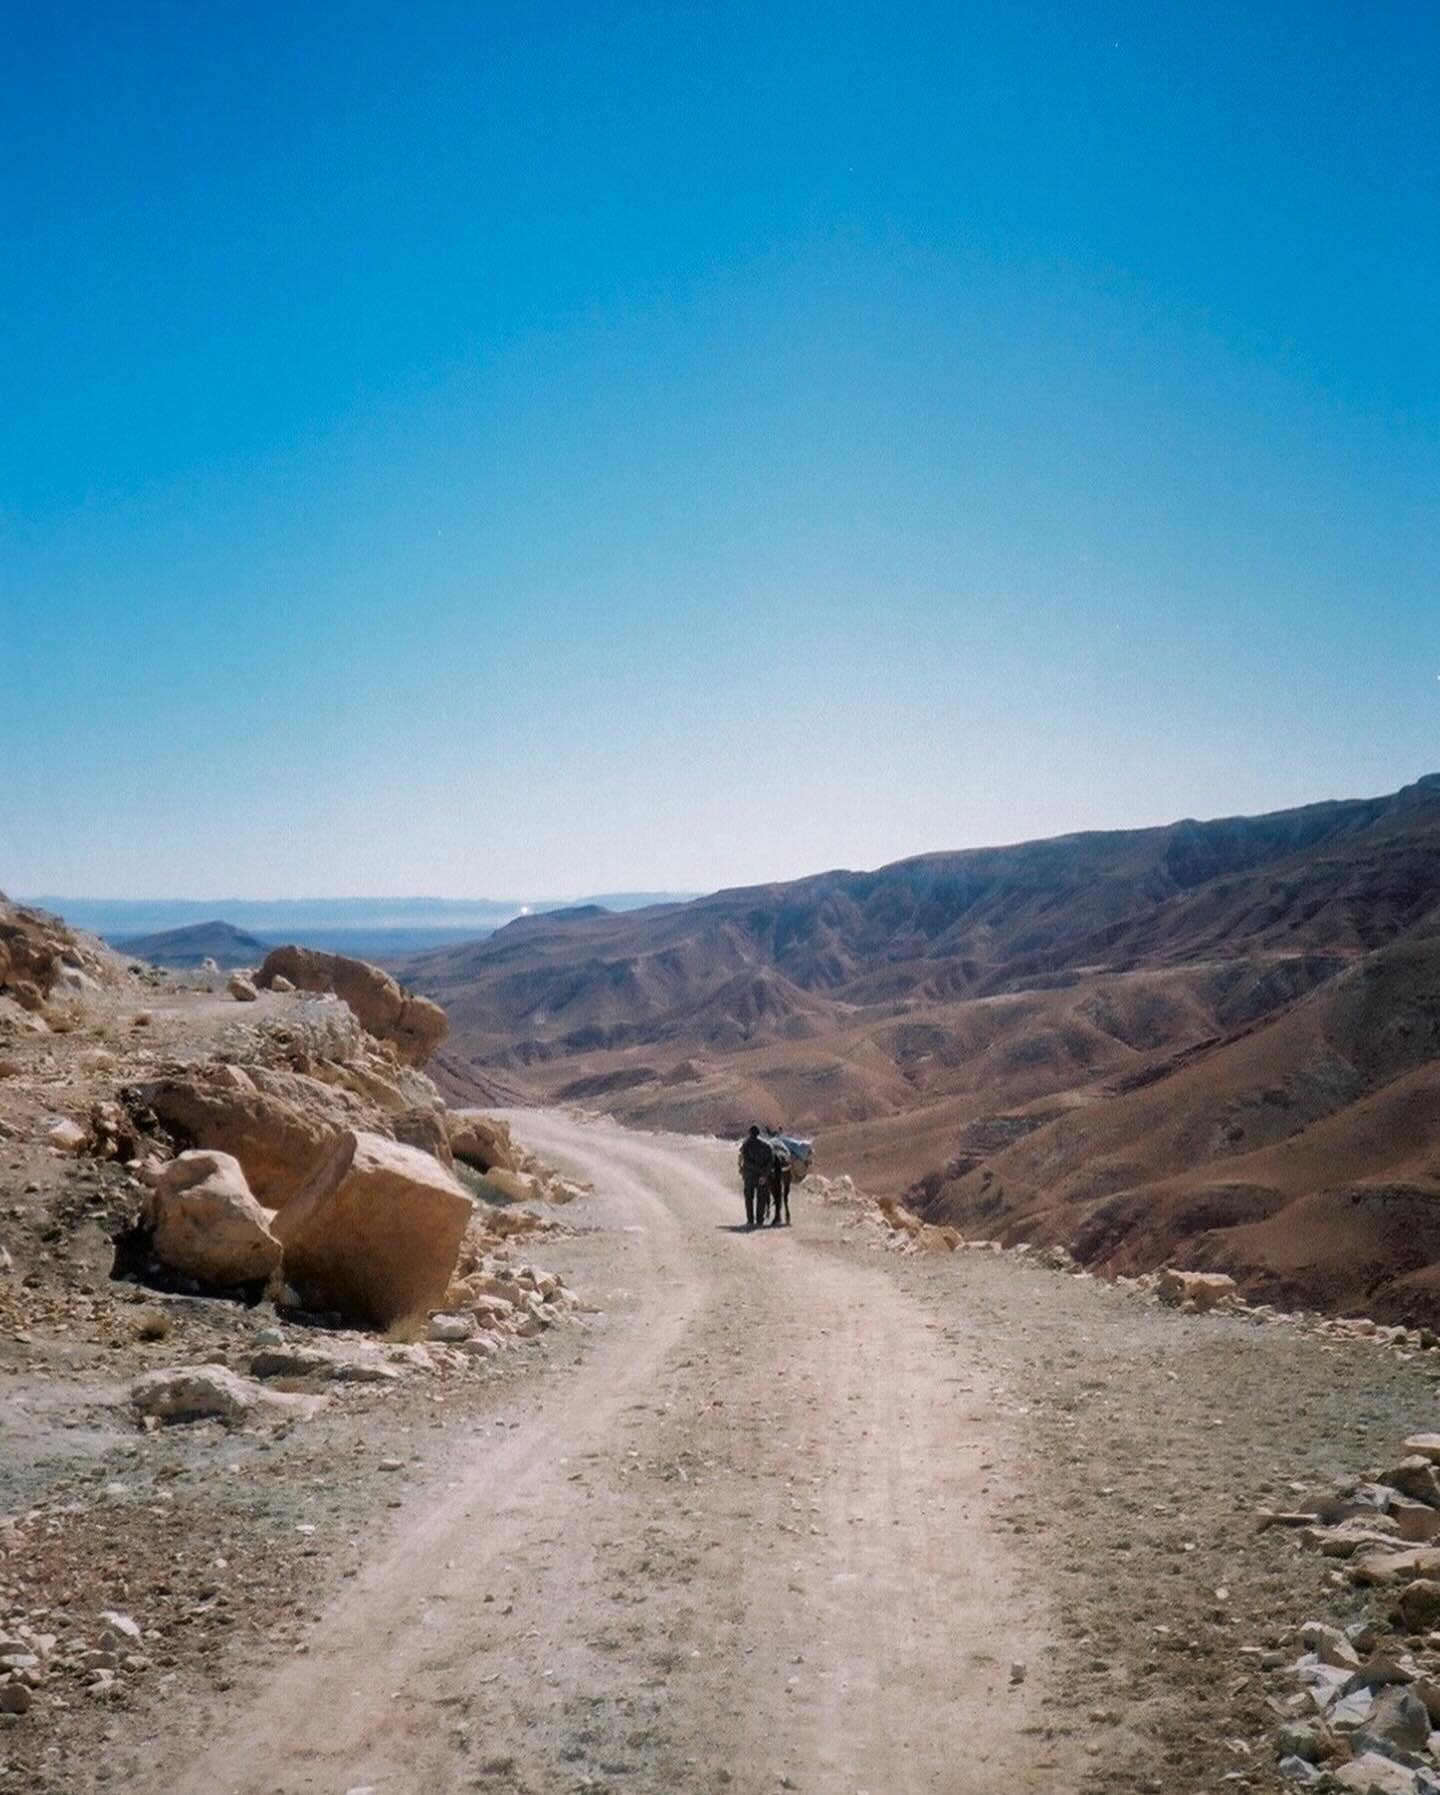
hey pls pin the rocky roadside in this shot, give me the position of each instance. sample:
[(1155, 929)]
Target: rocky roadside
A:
[(1224, 1499), (212, 1410)]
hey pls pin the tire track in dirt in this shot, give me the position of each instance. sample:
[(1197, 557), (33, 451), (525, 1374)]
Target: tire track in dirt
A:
[(749, 1543)]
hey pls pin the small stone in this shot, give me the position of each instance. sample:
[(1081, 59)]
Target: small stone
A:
[(1297, 1740), (1419, 1604), (452, 1329), (66, 1136), (1372, 1774), (15, 1698)]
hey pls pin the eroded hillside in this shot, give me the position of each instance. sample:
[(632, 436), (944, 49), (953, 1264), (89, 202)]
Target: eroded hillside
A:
[(1147, 1044)]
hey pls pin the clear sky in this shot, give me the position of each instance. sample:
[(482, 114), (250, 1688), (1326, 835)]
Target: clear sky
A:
[(524, 448)]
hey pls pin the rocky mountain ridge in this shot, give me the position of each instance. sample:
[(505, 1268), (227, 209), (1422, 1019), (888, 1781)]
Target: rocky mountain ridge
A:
[(1145, 1045)]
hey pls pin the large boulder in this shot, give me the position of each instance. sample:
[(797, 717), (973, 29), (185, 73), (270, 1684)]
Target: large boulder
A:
[(278, 1140), (425, 1128), (413, 1026), (376, 1231), (207, 1225)]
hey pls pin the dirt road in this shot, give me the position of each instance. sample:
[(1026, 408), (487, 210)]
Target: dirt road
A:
[(748, 1543)]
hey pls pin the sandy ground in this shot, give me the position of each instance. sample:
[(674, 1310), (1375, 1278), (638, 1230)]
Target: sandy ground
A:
[(749, 1544)]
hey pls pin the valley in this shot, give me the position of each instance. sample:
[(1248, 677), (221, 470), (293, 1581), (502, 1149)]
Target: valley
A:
[(1146, 1046)]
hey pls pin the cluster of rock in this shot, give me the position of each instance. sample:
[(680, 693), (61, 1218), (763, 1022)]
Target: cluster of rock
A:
[(373, 1234), (483, 1142), (30, 1657), (900, 1228), (412, 1026), (1188, 1292), (285, 1373), (40, 961), (1361, 1705), (322, 1168), (308, 1159)]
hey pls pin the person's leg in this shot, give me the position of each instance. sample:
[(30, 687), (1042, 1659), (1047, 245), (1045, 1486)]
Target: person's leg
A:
[(749, 1200)]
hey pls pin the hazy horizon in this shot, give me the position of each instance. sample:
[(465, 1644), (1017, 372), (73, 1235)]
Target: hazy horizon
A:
[(471, 450), (630, 898)]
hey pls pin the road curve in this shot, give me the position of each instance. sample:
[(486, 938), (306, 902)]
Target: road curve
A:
[(746, 1545)]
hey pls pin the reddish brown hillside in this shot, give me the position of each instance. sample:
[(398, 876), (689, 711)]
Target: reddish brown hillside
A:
[(1303, 1156), (1090, 1038)]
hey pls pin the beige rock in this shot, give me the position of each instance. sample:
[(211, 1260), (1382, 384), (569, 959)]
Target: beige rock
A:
[(1415, 1522), (425, 1128), (67, 1136), (375, 1232), (515, 1187), (207, 1224), (315, 1362), (32, 950), (935, 1240), (210, 1392), (1330, 1645), (241, 989), (1416, 1478), (1416, 1562), (1419, 1604), (1423, 1446), (1197, 1290), (278, 1142), (481, 1141), (1371, 1774), (413, 1026), (281, 983), (451, 1329)]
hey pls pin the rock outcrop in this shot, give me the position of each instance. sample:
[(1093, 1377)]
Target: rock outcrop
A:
[(30, 956), (39, 956), (413, 1026), (206, 1224), (376, 1231)]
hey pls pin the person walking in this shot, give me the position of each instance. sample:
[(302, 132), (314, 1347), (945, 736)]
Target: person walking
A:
[(756, 1165)]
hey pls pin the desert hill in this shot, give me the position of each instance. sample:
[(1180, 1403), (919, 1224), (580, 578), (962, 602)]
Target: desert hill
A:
[(190, 947), (1095, 1039), (1303, 1155)]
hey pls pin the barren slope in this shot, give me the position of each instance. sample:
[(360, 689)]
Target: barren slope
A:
[(1087, 1038)]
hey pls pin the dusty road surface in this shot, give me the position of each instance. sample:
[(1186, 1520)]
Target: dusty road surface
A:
[(748, 1543)]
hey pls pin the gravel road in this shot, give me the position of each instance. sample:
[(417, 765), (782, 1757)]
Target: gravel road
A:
[(800, 1512), (749, 1543)]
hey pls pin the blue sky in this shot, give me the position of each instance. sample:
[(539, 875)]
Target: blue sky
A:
[(519, 449)]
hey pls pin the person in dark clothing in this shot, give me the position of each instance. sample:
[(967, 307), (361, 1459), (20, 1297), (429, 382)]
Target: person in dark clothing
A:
[(756, 1164)]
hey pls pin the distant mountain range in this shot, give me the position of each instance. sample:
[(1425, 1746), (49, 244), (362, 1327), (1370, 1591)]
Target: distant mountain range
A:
[(374, 928), (189, 948), (1213, 1042)]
